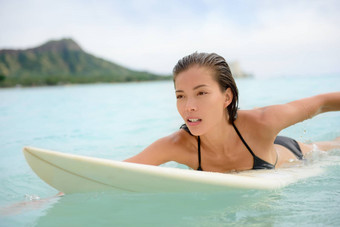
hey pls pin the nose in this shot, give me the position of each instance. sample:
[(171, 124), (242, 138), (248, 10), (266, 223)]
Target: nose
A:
[(191, 106)]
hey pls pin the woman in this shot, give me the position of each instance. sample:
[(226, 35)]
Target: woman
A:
[(217, 136)]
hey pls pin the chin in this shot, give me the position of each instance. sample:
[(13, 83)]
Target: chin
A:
[(196, 131)]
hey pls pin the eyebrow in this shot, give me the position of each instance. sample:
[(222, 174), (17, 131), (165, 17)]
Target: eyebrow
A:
[(196, 87)]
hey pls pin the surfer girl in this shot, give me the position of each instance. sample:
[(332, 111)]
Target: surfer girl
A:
[(219, 137)]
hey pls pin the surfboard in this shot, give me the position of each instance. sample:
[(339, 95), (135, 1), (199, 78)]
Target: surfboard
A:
[(71, 173)]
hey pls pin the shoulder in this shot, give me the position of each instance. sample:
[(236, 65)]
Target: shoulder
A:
[(257, 132), (181, 147), (255, 118), (180, 143), (174, 147), (257, 123), (179, 139)]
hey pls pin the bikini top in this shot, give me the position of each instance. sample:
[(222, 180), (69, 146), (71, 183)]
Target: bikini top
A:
[(258, 162)]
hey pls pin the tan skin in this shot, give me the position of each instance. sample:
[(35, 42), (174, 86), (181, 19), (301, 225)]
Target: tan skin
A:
[(202, 105)]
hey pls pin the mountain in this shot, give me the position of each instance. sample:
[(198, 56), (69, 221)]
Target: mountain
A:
[(62, 62)]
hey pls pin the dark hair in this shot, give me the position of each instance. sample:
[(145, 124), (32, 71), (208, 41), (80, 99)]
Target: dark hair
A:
[(222, 74)]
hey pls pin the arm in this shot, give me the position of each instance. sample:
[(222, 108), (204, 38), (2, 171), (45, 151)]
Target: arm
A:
[(159, 152), (279, 117)]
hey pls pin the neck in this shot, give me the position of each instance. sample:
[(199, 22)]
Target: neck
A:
[(217, 138)]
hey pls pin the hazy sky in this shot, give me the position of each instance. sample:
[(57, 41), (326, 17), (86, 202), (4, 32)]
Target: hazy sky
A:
[(268, 38)]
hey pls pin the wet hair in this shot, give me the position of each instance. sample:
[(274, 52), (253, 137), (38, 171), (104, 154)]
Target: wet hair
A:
[(222, 75)]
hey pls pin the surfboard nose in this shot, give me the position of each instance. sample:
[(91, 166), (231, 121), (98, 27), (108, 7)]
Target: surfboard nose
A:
[(25, 149)]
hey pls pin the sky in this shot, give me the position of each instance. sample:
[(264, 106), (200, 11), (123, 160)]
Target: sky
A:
[(267, 38)]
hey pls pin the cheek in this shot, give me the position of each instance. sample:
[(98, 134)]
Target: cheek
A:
[(179, 105), (217, 106)]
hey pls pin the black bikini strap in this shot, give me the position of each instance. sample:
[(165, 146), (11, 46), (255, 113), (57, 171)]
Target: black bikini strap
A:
[(243, 141), (199, 153)]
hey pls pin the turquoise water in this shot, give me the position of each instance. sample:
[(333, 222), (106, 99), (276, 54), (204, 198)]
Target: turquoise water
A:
[(115, 121)]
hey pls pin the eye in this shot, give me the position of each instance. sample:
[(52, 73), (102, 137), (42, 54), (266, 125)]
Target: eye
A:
[(202, 93), (179, 96)]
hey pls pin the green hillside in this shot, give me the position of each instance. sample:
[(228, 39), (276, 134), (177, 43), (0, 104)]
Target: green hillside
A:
[(62, 62)]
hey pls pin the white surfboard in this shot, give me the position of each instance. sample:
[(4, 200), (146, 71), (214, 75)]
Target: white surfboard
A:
[(70, 173)]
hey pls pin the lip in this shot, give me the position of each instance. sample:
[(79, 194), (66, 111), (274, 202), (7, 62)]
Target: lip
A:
[(193, 123)]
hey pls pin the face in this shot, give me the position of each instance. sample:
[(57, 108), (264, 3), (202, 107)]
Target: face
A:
[(200, 101)]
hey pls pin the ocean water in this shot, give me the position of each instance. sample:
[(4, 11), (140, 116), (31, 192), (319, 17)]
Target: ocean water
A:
[(116, 121)]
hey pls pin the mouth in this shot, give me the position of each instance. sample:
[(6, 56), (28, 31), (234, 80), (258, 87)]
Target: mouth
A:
[(194, 120)]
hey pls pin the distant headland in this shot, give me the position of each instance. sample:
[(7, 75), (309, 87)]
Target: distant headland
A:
[(63, 61)]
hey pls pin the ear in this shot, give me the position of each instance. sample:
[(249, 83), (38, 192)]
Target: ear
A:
[(228, 94)]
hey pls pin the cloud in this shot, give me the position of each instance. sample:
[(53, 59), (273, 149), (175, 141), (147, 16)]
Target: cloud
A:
[(269, 39)]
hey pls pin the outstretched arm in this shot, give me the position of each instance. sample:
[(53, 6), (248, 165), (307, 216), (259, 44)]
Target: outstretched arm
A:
[(279, 117), (155, 154), (169, 148)]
